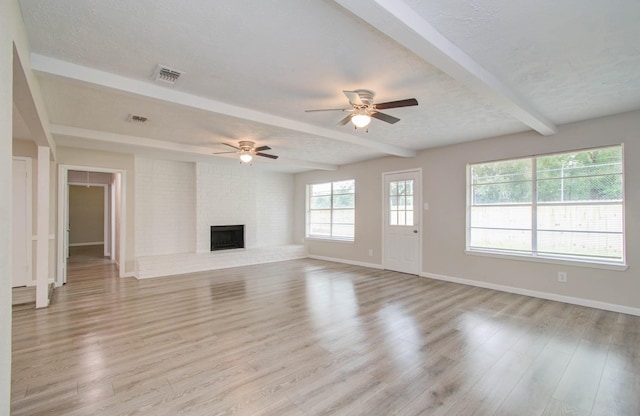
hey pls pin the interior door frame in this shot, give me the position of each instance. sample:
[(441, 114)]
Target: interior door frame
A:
[(63, 211), (106, 212), (417, 212), (29, 216)]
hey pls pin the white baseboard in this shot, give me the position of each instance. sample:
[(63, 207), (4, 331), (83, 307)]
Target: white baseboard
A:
[(129, 274), (351, 262), (542, 295), (94, 243)]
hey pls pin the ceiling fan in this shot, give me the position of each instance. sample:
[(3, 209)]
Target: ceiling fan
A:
[(363, 109), (247, 151)]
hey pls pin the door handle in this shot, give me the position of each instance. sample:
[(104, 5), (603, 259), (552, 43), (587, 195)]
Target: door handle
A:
[(415, 231)]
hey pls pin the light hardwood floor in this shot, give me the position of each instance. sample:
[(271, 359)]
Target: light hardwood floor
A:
[(308, 337)]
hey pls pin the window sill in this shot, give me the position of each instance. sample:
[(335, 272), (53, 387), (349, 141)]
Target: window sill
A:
[(329, 239), (538, 259)]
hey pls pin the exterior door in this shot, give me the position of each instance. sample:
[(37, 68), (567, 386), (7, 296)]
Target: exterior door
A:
[(20, 224), (402, 219)]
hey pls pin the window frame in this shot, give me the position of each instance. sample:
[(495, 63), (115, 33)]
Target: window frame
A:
[(533, 254), (308, 210)]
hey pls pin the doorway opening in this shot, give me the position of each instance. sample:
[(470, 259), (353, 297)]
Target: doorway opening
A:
[(91, 219)]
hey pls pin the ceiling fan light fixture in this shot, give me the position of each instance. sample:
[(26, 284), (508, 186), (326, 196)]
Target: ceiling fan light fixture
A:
[(246, 157), (361, 120)]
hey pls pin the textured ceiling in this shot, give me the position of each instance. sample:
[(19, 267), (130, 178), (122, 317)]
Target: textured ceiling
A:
[(477, 68)]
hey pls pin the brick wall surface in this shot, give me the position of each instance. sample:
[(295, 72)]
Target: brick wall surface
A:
[(165, 207), (177, 202)]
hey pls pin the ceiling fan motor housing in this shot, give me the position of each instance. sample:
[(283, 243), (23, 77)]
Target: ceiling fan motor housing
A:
[(245, 145), (366, 96)]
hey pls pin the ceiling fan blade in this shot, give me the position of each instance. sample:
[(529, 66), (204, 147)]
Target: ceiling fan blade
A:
[(384, 117), (327, 109), (261, 148), (266, 155), (353, 97), (394, 104), (344, 120), (230, 145), (222, 153)]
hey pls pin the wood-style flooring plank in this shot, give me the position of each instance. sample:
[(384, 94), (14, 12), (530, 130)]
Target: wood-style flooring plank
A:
[(308, 337)]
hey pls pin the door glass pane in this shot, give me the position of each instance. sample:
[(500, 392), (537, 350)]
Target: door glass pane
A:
[(401, 203), (393, 188), (409, 218), (409, 187)]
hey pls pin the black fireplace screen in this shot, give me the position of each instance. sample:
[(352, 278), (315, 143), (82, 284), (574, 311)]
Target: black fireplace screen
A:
[(224, 237)]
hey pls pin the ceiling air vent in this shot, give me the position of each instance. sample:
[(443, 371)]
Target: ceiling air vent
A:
[(136, 119), (166, 75)]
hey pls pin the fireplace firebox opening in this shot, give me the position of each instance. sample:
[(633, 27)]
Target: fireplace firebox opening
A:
[(225, 237)]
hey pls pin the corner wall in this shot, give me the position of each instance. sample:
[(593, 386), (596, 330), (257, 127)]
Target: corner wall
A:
[(443, 228), (8, 12)]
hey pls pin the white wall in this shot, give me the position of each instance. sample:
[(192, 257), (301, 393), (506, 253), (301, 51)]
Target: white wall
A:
[(14, 70), (443, 228), (228, 195), (178, 202), (274, 203), (165, 207), (8, 12)]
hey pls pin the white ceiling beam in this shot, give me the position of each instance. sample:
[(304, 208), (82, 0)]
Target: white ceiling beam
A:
[(401, 23), (28, 109), (50, 66), (135, 142)]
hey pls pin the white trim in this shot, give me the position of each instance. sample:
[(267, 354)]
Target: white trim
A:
[(63, 202), (63, 195), (93, 243), (344, 261), (331, 240), (29, 215), (129, 274), (538, 259), (106, 218), (536, 294), (35, 237), (106, 214), (112, 219), (42, 225)]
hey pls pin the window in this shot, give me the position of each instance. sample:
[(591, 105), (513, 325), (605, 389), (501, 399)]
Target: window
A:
[(401, 202), (566, 206), (331, 210)]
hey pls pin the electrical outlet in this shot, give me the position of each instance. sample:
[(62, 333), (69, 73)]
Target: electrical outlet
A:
[(562, 277), (370, 252)]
